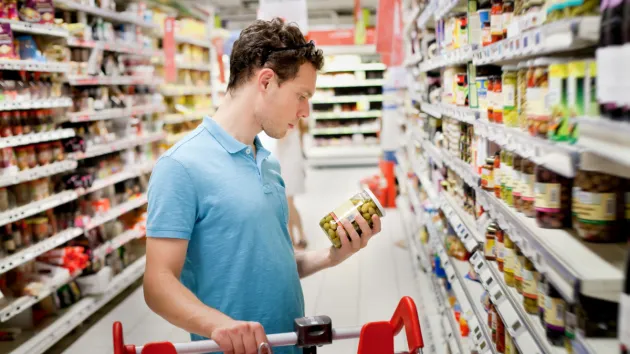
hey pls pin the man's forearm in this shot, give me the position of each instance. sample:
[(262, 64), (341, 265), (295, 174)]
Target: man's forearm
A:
[(311, 262), (170, 299)]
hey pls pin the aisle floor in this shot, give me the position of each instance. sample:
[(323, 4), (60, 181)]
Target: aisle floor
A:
[(365, 288)]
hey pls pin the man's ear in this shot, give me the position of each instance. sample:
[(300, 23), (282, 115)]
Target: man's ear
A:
[(265, 77)]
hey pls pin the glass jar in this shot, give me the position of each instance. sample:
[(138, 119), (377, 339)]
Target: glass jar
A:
[(16, 123), (44, 154), (500, 342), (508, 176), (517, 167), (497, 175), (40, 227), (496, 17), (497, 88), (570, 323), (597, 206), (509, 260), (499, 250), (22, 157), (5, 124), (510, 114), (58, 152), (530, 287), (528, 182), (542, 297), (553, 199), (490, 246), (31, 156), (487, 175), (518, 269), (521, 97), (539, 110), (554, 316), (490, 109), (506, 17)]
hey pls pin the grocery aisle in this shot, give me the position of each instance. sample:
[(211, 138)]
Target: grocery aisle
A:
[(365, 288)]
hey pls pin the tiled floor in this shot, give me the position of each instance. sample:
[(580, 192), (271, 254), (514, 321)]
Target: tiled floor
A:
[(365, 288)]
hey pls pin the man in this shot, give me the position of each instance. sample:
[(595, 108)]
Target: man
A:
[(217, 205)]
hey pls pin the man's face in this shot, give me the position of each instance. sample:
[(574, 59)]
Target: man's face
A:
[(282, 107)]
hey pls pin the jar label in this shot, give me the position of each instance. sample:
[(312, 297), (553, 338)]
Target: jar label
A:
[(500, 249), (527, 187), (490, 248), (497, 176), (516, 180), (624, 319), (506, 175), (486, 35), (509, 184), (509, 96), (486, 178), (595, 208), (509, 260), (548, 197), (530, 287), (496, 26), (518, 267), (554, 313), (347, 210)]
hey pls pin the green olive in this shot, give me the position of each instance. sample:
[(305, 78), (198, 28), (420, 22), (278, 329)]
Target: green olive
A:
[(329, 218), (372, 211), (322, 222), (365, 208), (326, 226), (333, 224), (366, 216), (331, 233)]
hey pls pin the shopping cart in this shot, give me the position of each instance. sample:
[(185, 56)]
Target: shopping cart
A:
[(310, 333)]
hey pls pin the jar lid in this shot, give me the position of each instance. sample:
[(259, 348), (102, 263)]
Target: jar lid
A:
[(509, 67), (522, 65), (547, 61), (376, 201)]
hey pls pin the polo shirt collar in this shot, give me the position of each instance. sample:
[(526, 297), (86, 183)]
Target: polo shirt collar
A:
[(229, 143)]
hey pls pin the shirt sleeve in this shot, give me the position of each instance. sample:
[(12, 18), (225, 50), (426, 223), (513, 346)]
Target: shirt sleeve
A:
[(172, 208)]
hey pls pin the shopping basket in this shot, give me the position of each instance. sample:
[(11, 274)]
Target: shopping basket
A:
[(310, 332)]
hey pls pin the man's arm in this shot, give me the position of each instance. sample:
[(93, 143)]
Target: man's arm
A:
[(311, 262)]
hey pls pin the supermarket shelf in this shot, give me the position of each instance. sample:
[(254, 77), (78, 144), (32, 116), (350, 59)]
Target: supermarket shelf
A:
[(343, 155), (413, 60), (437, 110), (356, 67), (35, 138), (351, 83), (117, 47), (606, 138), (34, 28), (176, 118), (462, 223), (109, 15), (37, 172), (556, 37), (182, 90), (193, 66), (204, 43), (345, 99), (114, 113), (572, 265), (117, 211), (36, 104), (410, 19), (344, 131), (458, 56), (110, 246), (436, 9), (113, 80), (32, 65), (127, 173), (27, 254), (118, 145), (37, 207), (347, 115), (41, 340), (25, 302), (583, 345)]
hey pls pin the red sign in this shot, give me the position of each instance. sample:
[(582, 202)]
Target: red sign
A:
[(218, 45), (389, 32), (339, 37), (169, 45)]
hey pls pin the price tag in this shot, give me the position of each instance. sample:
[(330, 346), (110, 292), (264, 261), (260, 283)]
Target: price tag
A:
[(485, 276), (540, 262), (496, 294)]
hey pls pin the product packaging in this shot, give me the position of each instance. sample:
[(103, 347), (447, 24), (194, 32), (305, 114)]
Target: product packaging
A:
[(559, 128), (363, 204), (7, 49)]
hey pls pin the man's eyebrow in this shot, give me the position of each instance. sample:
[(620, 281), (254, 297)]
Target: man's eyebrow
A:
[(309, 93)]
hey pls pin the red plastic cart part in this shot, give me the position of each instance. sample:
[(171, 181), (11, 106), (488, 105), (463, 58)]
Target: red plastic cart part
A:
[(374, 338)]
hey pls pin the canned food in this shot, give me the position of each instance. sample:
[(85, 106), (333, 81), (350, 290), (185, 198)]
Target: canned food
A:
[(363, 204)]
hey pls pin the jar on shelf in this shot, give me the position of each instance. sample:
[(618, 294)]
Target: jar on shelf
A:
[(499, 250), (521, 96), (482, 92), (530, 287), (596, 317), (528, 182), (44, 153), (557, 101), (517, 167), (497, 175), (5, 124), (495, 323), (553, 199), (506, 17), (496, 17), (509, 183), (506, 173), (570, 324), (500, 336), (491, 100), (509, 260), (490, 246), (538, 114), (487, 175), (542, 297), (497, 112), (555, 308), (519, 259), (510, 114)]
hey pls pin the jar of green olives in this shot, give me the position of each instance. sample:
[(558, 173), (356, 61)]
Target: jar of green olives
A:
[(363, 204)]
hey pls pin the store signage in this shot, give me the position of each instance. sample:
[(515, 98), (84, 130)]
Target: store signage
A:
[(289, 10), (389, 32), (339, 37), (169, 45)]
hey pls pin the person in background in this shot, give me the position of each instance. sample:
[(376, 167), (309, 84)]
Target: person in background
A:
[(219, 259)]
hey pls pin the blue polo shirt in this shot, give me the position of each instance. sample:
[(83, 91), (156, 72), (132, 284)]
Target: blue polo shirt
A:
[(231, 207)]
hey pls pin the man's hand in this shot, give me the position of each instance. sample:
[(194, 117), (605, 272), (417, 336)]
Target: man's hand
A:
[(351, 242), (238, 337)]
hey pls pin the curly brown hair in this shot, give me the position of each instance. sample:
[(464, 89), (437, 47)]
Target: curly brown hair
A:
[(271, 44)]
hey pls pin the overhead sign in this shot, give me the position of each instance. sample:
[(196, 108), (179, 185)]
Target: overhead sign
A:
[(289, 10), (170, 47)]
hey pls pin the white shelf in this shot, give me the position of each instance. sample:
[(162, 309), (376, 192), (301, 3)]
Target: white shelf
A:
[(437, 110), (436, 9), (36, 104), (27, 254), (193, 66), (37, 172), (42, 340), (111, 245), (344, 131), (114, 113), (357, 67), (34, 28), (455, 57), (353, 83), (571, 264), (413, 60), (410, 19), (117, 47), (117, 211), (347, 99), (127, 173), (113, 80), (583, 345), (109, 15), (204, 43), (34, 138), (177, 118), (37, 207), (606, 138), (343, 155), (118, 145), (32, 65), (346, 115), (181, 90), (556, 37), (462, 223)]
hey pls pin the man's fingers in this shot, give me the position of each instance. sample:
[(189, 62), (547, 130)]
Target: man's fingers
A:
[(237, 340), (343, 236), (355, 239), (376, 224), (259, 334), (366, 232)]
